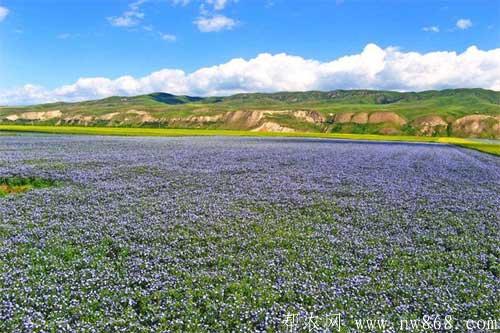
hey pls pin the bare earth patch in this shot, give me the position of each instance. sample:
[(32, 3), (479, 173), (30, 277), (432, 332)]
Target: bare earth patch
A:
[(477, 125), (270, 126), (386, 117)]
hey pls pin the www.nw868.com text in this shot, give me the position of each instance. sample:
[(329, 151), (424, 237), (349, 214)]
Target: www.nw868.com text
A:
[(335, 322)]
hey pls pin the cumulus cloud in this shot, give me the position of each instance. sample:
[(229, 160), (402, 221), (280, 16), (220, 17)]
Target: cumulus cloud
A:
[(129, 18), (464, 24), (373, 68), (432, 28), (214, 23), (27, 94), (3, 13)]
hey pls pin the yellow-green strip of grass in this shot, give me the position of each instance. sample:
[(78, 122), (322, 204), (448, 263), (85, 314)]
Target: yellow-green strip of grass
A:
[(491, 148)]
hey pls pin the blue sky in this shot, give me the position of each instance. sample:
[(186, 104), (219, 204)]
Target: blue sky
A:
[(51, 43)]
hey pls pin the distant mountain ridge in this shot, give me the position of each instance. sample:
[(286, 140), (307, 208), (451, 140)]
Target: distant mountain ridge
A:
[(457, 112), (371, 96)]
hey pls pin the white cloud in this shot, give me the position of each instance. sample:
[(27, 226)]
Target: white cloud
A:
[(168, 37), (373, 68), (123, 21), (129, 18), (214, 23), (181, 2), (432, 28), (27, 94), (464, 24), (218, 4), (137, 4), (3, 13), (210, 18)]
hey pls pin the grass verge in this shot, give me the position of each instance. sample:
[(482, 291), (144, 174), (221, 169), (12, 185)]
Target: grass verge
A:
[(15, 185), (491, 148)]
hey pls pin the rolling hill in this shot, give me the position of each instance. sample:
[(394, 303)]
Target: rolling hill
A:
[(452, 112)]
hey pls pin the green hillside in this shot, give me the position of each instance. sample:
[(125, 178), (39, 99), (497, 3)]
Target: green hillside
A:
[(429, 113)]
